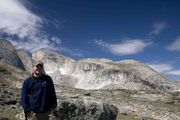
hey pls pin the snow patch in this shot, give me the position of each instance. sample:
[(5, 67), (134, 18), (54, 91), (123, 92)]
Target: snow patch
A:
[(50, 72), (63, 72)]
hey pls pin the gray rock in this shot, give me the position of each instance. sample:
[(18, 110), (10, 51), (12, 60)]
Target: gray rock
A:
[(86, 110), (26, 59), (9, 54)]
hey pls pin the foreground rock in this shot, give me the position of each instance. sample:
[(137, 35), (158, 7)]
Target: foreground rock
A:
[(85, 109), (82, 109)]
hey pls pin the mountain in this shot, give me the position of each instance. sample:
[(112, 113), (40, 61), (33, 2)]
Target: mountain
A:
[(96, 89), (9, 54), (26, 60), (90, 74)]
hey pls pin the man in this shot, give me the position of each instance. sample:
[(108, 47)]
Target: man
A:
[(38, 95)]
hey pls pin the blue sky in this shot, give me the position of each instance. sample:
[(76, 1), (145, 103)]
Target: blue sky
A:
[(147, 31)]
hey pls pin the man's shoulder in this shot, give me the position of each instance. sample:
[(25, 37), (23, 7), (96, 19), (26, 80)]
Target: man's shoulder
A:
[(28, 80), (46, 76)]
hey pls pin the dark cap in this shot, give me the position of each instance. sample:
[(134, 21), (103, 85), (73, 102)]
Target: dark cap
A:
[(35, 63)]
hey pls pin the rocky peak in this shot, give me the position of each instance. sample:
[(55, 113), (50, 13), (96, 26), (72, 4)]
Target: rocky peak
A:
[(9, 53), (54, 62)]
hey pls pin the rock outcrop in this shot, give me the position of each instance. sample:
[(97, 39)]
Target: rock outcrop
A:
[(9, 54), (85, 109), (26, 60)]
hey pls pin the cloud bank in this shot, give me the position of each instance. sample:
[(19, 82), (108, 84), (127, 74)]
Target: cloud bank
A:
[(132, 46), (161, 67), (164, 68), (17, 20), (25, 29), (174, 72), (127, 47)]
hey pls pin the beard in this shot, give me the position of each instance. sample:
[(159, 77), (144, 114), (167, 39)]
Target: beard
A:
[(37, 73)]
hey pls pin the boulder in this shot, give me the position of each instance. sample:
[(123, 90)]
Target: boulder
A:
[(75, 109)]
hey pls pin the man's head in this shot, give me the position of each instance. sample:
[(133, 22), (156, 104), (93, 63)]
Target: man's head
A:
[(37, 68)]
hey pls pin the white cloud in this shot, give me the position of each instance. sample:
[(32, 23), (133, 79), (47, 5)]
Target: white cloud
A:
[(165, 69), (27, 27), (174, 72), (175, 46), (161, 67), (35, 43), (17, 20), (158, 27), (127, 47)]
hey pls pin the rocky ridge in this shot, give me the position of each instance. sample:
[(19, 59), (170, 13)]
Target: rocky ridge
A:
[(26, 60), (92, 74), (9, 54)]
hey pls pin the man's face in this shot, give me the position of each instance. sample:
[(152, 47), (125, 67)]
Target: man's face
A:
[(37, 69)]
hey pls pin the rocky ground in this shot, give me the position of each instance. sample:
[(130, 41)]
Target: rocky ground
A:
[(132, 104), (10, 82)]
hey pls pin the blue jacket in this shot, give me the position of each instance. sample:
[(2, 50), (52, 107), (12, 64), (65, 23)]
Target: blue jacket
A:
[(38, 95)]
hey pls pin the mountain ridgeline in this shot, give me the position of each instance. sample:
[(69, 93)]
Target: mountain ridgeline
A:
[(92, 73)]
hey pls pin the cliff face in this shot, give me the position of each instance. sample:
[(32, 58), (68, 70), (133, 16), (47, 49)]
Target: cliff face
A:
[(9, 54), (26, 60), (92, 74)]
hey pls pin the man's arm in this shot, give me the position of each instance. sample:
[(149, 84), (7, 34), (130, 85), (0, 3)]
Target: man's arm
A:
[(25, 96), (53, 93)]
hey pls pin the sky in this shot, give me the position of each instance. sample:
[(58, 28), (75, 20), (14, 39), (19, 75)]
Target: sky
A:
[(144, 30)]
